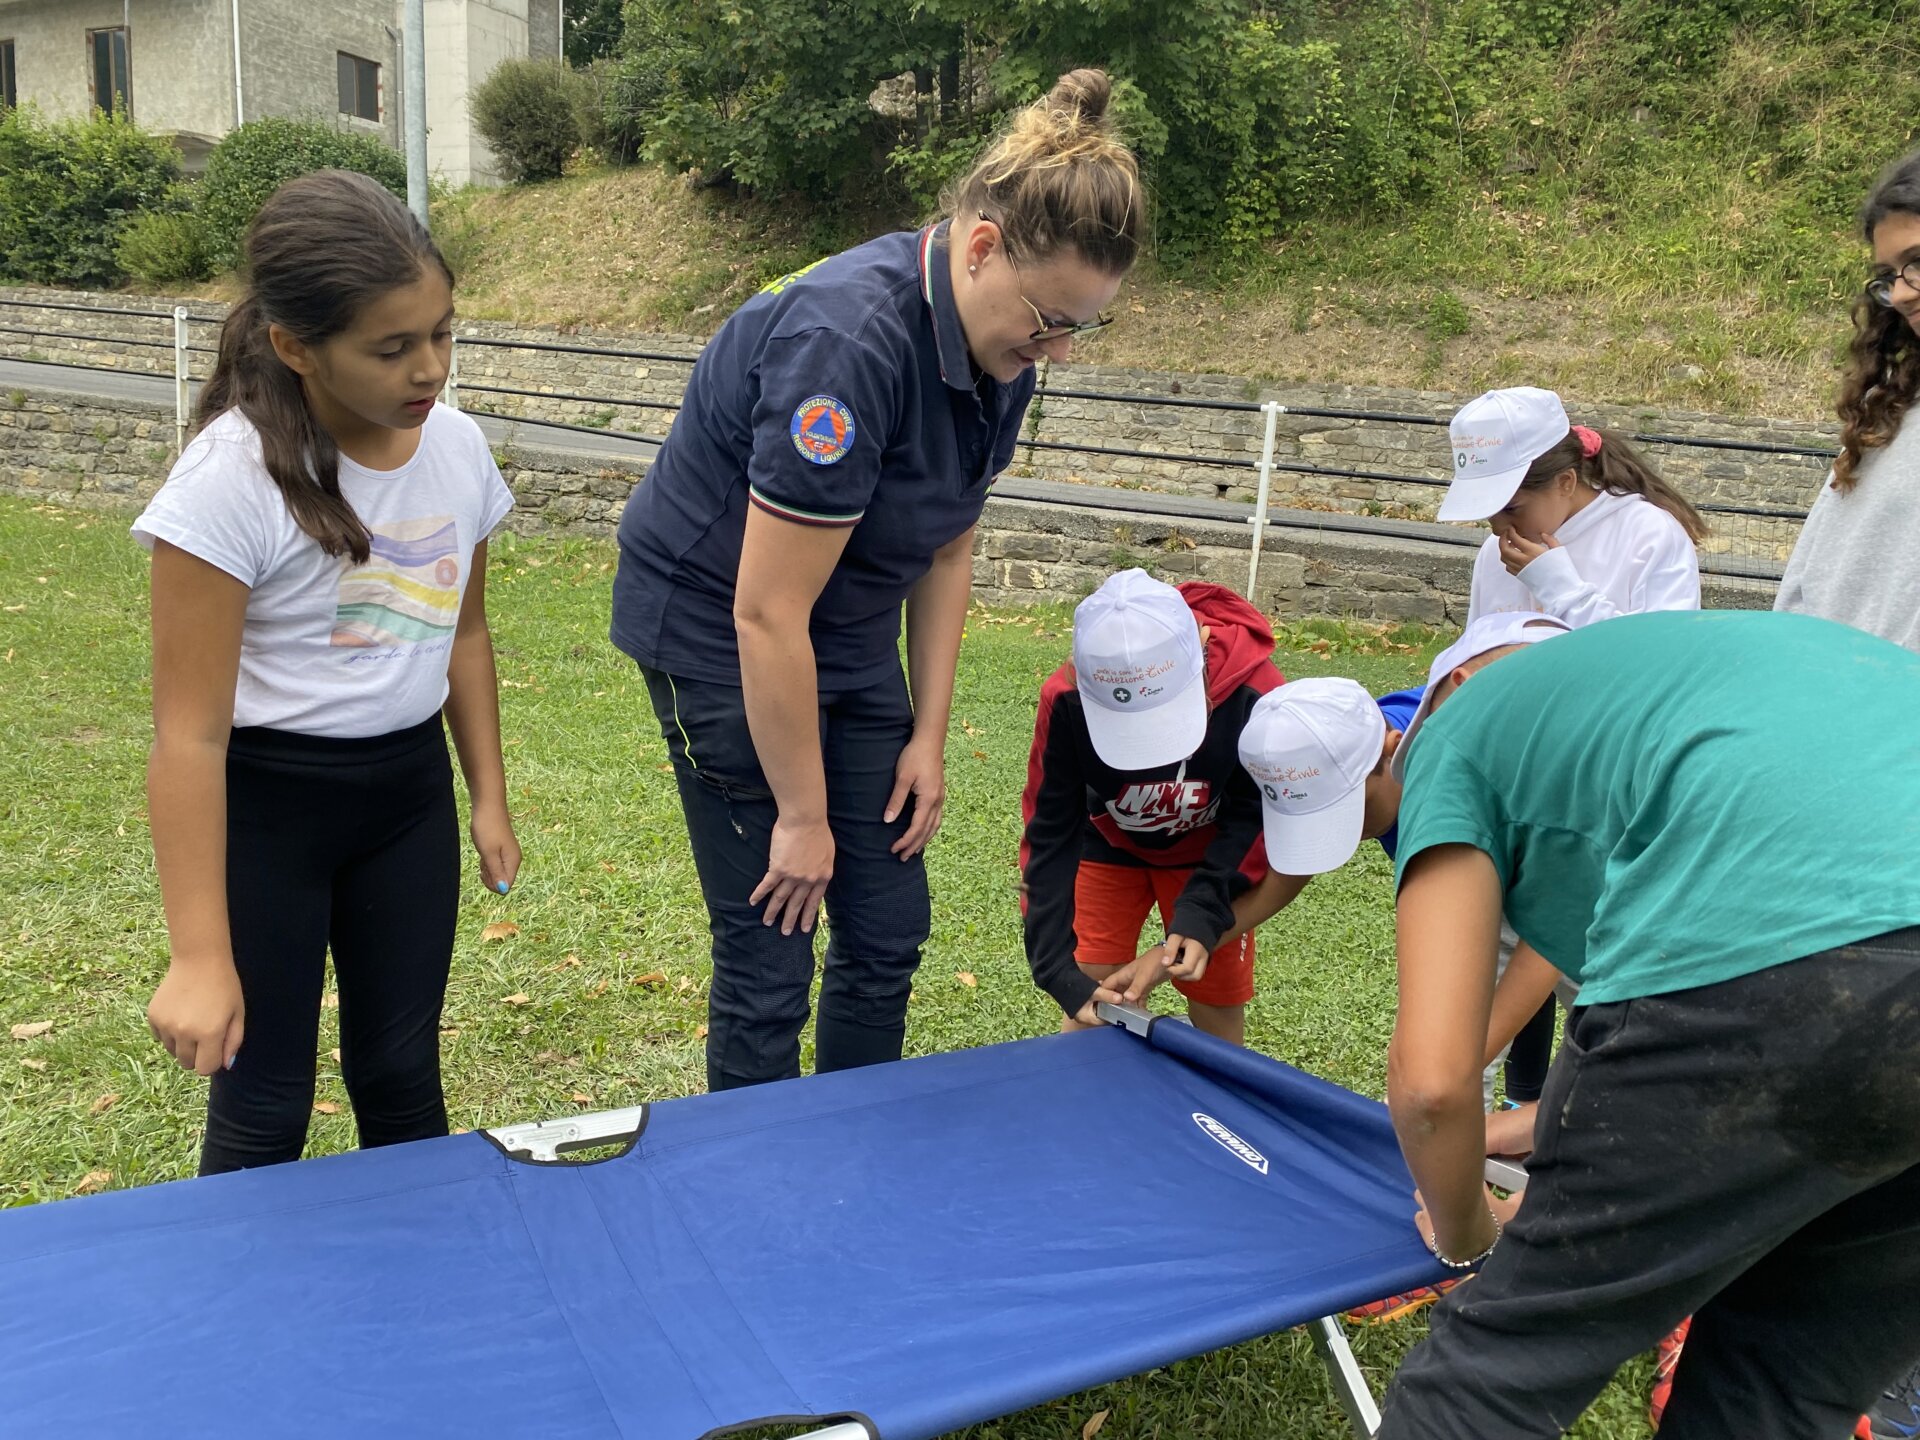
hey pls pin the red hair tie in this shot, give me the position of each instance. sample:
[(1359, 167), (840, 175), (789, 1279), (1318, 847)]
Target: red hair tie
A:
[(1589, 441)]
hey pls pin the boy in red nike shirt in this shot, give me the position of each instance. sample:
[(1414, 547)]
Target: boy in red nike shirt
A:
[(1136, 799)]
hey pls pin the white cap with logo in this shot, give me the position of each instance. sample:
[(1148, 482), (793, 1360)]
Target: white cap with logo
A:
[(1310, 746), (1490, 632), (1141, 672), (1495, 438)]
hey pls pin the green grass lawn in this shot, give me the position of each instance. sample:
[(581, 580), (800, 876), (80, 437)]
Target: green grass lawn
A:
[(599, 998)]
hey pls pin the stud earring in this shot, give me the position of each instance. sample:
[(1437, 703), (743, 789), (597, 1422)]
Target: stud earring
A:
[(973, 269)]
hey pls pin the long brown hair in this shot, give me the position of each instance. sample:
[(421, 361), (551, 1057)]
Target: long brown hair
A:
[(1059, 179), (1883, 360), (322, 248), (1617, 469)]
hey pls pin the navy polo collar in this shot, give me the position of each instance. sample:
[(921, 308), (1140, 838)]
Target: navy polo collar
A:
[(936, 284)]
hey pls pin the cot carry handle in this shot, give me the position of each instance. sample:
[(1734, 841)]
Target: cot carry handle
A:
[(543, 1142)]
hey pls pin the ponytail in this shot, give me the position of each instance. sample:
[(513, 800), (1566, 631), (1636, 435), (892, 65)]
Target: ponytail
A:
[(1059, 180), (1614, 467), (322, 248), (297, 450)]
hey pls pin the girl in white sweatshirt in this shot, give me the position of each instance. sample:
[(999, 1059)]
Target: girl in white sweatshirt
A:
[(1583, 527)]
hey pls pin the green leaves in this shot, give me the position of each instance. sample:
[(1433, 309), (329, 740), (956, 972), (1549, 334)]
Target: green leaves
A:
[(68, 189)]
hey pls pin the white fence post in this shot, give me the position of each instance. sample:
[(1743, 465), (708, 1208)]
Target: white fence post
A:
[(450, 392), (182, 396), (1274, 409)]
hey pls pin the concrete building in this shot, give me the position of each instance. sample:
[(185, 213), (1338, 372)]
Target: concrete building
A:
[(194, 69)]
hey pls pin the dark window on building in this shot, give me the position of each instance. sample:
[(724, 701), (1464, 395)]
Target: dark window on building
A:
[(112, 77), (359, 87), (9, 93)]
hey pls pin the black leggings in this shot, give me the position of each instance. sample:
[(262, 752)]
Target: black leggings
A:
[(1531, 1053), (353, 844)]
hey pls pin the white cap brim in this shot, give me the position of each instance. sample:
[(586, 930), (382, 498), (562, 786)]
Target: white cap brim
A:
[(1479, 496), (1318, 842), (1165, 735)]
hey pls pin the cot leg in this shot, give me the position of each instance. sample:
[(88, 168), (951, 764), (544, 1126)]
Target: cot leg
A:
[(1349, 1385)]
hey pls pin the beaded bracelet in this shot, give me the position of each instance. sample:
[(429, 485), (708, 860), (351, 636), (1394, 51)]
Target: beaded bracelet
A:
[(1434, 1245)]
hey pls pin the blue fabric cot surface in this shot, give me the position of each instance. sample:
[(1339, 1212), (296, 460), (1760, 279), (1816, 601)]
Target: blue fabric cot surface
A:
[(924, 1244)]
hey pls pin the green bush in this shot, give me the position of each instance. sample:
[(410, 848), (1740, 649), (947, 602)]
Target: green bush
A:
[(528, 112), (67, 190), (262, 155), (165, 247)]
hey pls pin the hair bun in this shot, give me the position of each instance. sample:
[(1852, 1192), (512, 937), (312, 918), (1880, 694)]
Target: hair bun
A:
[(1082, 95)]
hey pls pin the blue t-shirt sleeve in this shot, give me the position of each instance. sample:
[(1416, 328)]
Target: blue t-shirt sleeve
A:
[(1449, 802), (1397, 710), (824, 409)]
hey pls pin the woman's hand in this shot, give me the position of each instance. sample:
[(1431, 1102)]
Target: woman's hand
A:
[(198, 1014), (1517, 551), (799, 865), (499, 851), (920, 773)]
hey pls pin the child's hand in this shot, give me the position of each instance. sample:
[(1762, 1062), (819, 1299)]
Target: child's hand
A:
[(199, 1016), (492, 831), (1510, 1132), (1517, 552), (1134, 981), (1186, 957)]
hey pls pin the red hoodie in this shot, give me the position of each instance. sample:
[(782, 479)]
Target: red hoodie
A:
[(1203, 813)]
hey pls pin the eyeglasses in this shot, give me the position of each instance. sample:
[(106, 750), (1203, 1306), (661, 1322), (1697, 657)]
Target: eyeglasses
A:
[(1880, 287), (1047, 329)]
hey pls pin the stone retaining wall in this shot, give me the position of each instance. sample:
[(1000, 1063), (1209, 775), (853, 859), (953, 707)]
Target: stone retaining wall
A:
[(78, 450), (1130, 422)]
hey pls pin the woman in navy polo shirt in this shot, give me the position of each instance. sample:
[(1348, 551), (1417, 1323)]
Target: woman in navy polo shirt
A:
[(832, 455)]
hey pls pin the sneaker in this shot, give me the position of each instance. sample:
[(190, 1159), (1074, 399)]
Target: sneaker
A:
[(1666, 1361), (1896, 1414), (1398, 1307)]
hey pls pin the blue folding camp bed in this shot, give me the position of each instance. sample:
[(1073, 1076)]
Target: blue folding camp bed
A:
[(892, 1252)]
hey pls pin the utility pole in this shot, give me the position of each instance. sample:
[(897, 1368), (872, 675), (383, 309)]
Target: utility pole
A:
[(415, 54)]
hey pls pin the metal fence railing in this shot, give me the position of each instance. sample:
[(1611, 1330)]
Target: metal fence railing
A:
[(1752, 538)]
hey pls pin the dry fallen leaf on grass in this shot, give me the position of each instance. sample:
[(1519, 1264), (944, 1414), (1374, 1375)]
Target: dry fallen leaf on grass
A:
[(581, 1098), (700, 1032), (967, 978), (609, 867), (599, 987), (651, 978), (519, 997), (334, 1055), (91, 1181), (570, 962), (1094, 1424), (31, 1029), (34, 1064), (499, 930), (103, 1104), (330, 1000), (325, 1107)]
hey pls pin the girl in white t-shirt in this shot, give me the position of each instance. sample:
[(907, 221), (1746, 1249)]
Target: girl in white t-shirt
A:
[(1584, 528), (319, 558)]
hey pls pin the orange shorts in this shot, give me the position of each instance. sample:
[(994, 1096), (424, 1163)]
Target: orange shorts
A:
[(1112, 902)]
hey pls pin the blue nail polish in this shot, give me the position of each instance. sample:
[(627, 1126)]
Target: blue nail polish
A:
[(501, 887)]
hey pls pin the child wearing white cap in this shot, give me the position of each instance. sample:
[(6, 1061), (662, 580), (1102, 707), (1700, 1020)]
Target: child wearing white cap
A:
[(1583, 527), (1135, 797)]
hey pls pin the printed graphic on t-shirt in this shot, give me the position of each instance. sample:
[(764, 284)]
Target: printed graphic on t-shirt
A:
[(407, 595), (1170, 807)]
